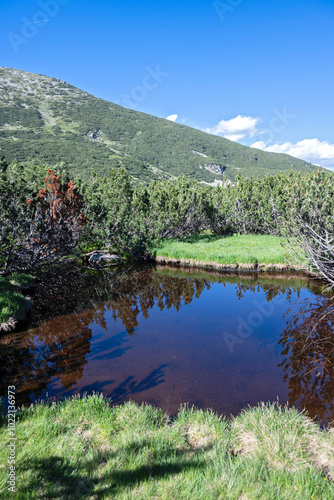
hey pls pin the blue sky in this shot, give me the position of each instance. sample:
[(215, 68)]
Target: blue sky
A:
[(258, 72)]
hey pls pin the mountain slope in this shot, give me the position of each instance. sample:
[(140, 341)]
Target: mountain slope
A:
[(45, 120)]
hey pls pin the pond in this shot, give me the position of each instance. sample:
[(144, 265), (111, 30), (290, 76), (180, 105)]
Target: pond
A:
[(168, 336)]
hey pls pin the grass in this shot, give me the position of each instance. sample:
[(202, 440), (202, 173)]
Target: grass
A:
[(11, 299), (232, 250), (82, 448)]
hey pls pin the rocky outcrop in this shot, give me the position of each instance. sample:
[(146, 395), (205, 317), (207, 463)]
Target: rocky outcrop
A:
[(213, 168), (95, 135)]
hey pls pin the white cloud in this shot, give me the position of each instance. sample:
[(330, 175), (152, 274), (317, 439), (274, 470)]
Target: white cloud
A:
[(236, 128), (310, 150), (172, 118)]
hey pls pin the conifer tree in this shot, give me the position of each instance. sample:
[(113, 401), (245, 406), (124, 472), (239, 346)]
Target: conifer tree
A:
[(3, 163)]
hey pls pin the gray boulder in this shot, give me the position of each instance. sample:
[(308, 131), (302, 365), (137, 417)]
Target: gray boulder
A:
[(100, 258)]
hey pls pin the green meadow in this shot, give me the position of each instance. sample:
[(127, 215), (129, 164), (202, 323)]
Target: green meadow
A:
[(233, 250)]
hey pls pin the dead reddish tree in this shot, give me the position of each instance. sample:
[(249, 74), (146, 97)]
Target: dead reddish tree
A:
[(50, 225), (58, 217)]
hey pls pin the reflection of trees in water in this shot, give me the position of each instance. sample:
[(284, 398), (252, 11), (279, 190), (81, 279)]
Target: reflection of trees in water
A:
[(308, 347), (139, 293), (136, 289), (71, 300), (58, 348), (270, 291), (69, 289)]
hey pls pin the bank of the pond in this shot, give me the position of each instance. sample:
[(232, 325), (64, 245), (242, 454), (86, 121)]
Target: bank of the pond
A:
[(261, 252), (82, 448), (15, 304)]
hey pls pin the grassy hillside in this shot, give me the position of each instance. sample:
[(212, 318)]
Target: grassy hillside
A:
[(45, 120)]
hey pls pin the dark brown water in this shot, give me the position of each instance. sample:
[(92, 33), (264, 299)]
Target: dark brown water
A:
[(166, 337)]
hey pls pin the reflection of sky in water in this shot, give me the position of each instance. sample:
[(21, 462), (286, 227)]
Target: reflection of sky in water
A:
[(170, 338)]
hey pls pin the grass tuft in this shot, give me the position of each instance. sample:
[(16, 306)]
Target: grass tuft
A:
[(276, 435)]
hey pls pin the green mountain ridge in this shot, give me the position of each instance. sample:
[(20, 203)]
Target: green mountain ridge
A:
[(45, 120)]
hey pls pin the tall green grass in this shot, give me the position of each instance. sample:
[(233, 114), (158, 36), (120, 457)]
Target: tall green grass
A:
[(234, 250), (82, 448)]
